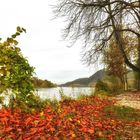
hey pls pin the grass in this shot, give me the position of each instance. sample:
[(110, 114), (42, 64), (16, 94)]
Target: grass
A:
[(122, 112), (130, 120)]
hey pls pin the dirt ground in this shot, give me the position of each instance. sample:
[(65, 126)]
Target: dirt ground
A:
[(130, 99)]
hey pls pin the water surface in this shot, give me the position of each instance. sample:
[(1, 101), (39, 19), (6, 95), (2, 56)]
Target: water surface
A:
[(54, 93)]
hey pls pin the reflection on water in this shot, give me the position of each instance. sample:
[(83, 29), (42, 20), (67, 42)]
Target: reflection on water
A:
[(54, 93)]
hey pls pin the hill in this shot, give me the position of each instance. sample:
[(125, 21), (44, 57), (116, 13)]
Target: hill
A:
[(39, 83), (87, 81)]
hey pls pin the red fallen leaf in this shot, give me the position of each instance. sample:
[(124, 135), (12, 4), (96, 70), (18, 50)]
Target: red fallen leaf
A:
[(15, 121), (4, 113), (19, 129), (57, 122), (98, 124), (52, 129), (5, 120), (86, 137), (107, 126), (137, 124), (32, 131), (48, 110), (27, 138), (42, 138), (49, 118), (11, 135), (8, 129), (20, 138), (91, 131), (41, 124), (35, 117), (110, 137), (83, 122), (86, 129), (28, 120)]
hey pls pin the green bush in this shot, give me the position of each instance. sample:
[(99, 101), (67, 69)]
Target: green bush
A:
[(101, 94), (114, 84), (101, 89), (101, 86), (27, 105), (110, 85), (16, 75)]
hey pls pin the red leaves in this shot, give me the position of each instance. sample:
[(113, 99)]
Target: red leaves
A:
[(28, 120), (74, 120)]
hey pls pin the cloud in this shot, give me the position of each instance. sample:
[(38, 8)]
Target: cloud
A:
[(42, 44), (63, 76)]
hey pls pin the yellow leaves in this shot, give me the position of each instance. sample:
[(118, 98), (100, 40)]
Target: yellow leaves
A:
[(73, 135), (78, 121), (70, 119), (42, 113), (100, 134), (59, 110), (35, 122), (32, 110)]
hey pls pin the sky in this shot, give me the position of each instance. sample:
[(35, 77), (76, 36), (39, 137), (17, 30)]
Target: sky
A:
[(43, 45)]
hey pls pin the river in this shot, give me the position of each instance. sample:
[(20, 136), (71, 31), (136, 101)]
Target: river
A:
[(54, 93)]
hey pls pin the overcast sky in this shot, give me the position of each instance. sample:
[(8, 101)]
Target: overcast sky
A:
[(43, 44)]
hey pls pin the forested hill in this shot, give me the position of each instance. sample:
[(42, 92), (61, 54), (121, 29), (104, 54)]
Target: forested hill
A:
[(39, 83), (87, 81)]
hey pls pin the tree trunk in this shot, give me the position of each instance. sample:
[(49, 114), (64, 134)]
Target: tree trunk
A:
[(138, 64), (125, 78)]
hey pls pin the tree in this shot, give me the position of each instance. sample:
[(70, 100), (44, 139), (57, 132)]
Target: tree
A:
[(114, 63), (96, 21), (15, 72)]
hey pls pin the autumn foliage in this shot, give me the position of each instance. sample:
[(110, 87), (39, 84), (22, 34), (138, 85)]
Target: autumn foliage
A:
[(83, 119)]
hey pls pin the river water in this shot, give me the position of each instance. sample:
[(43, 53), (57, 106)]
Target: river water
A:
[(55, 93)]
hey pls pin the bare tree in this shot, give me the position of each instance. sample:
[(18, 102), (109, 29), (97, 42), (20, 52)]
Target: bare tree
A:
[(96, 21)]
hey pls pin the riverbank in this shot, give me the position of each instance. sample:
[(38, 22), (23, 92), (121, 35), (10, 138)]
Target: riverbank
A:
[(88, 118)]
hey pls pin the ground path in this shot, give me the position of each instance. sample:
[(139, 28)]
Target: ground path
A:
[(130, 99)]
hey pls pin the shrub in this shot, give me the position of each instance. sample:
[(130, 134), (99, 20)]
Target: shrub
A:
[(114, 84), (101, 86), (16, 74)]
